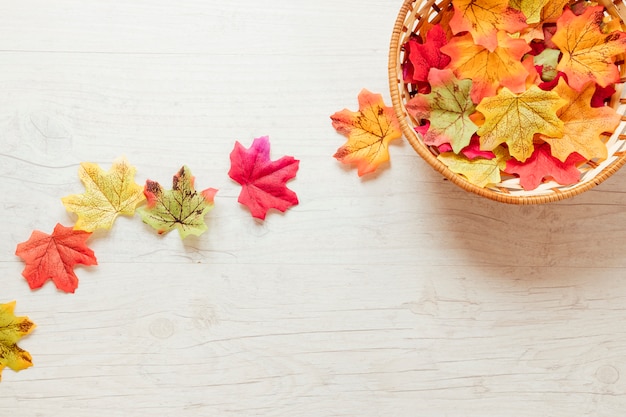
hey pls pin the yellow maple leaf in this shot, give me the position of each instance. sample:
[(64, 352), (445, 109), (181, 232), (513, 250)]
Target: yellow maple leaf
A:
[(532, 9), (478, 171), (588, 52), (516, 118), (484, 18), (107, 195), (369, 132), (583, 124), (12, 329)]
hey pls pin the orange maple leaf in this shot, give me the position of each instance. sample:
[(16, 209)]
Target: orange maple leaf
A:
[(484, 18), (588, 52), (488, 70), (369, 132), (583, 124)]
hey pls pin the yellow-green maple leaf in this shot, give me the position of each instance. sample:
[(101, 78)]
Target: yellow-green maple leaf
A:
[(532, 9), (106, 195), (583, 124), (515, 118), (12, 329), (479, 171)]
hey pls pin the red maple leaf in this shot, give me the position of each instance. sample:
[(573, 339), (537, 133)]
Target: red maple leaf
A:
[(54, 257), (541, 164), (422, 57), (263, 181)]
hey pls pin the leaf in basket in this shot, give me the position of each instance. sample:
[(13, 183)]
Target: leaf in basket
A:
[(12, 329), (422, 57), (488, 70), (54, 257), (479, 171), (587, 51), (583, 124), (542, 164), (181, 208), (602, 95), (532, 9), (447, 107), (473, 151), (369, 132), (516, 118), (547, 60), (107, 194), (484, 18), (263, 181)]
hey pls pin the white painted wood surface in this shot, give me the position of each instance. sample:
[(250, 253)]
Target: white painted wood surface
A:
[(397, 295)]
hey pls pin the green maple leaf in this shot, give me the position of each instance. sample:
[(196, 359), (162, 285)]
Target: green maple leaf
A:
[(447, 107), (181, 208)]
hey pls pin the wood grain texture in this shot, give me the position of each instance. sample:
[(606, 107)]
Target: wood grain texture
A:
[(394, 295)]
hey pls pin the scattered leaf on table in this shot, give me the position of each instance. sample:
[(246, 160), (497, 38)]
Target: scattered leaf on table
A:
[(542, 164), (107, 195), (478, 171), (488, 70), (516, 118), (369, 132), (181, 208), (587, 51), (54, 257), (484, 18), (583, 124), (263, 181), (447, 107), (422, 57), (12, 329)]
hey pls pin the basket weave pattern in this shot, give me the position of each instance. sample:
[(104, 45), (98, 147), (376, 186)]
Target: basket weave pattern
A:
[(411, 18)]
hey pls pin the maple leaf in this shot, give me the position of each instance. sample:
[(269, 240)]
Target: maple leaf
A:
[(54, 257), (447, 107), (587, 51), (262, 180), (487, 69), (516, 118), (420, 58), (181, 208), (12, 329), (369, 132), (478, 171), (107, 195), (542, 164), (532, 9), (484, 18), (583, 124)]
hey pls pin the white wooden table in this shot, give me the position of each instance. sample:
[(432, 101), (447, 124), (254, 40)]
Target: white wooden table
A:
[(397, 295)]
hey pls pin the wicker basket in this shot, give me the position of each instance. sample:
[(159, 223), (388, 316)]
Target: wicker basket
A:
[(412, 16)]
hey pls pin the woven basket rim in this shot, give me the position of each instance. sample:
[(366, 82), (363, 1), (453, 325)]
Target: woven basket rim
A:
[(395, 81)]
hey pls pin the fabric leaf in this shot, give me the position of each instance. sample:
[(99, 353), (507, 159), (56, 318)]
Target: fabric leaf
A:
[(54, 257), (369, 132), (516, 118), (447, 107), (263, 181), (542, 165), (532, 9), (422, 57), (583, 124), (12, 329), (181, 208), (488, 70), (479, 171), (107, 195), (587, 51), (484, 18)]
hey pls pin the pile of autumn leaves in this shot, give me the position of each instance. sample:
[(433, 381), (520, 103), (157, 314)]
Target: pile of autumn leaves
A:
[(113, 193), (516, 88)]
